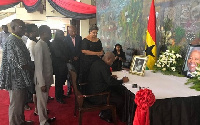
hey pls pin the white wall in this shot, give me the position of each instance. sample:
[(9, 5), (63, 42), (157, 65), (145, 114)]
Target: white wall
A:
[(84, 24)]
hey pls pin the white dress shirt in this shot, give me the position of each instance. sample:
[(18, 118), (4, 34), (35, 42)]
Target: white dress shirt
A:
[(30, 44)]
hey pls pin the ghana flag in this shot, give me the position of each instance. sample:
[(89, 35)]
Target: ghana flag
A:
[(150, 47)]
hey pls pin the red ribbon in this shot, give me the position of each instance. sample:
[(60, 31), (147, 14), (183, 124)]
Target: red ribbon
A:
[(144, 99)]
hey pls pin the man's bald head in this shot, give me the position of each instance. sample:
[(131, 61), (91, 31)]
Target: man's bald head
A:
[(72, 31), (109, 58)]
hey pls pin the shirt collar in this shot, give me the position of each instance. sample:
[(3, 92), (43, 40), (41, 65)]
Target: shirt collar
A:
[(72, 37), (16, 36)]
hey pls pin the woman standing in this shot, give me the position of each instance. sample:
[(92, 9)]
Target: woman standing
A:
[(60, 57), (119, 58), (92, 50)]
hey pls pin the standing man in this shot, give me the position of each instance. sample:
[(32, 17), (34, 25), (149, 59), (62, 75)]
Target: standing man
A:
[(74, 46), (15, 72), (3, 35), (43, 73)]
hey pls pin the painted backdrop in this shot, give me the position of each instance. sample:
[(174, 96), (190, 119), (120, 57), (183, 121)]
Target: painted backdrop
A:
[(125, 22)]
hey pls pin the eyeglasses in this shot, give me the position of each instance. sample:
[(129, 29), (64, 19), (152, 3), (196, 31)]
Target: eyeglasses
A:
[(94, 33), (22, 27)]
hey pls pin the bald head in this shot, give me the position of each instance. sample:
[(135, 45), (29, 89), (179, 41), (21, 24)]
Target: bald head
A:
[(109, 58), (72, 31)]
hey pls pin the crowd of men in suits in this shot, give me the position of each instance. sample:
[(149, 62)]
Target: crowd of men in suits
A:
[(28, 66)]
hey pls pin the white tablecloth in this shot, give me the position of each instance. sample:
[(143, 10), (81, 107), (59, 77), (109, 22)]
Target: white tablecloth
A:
[(163, 86)]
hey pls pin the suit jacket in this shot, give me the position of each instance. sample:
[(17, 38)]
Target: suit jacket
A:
[(75, 51), (43, 64)]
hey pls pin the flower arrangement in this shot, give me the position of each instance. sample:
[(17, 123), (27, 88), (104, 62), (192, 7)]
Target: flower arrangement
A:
[(169, 63), (195, 80)]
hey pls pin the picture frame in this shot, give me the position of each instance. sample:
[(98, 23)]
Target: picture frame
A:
[(138, 65), (191, 59)]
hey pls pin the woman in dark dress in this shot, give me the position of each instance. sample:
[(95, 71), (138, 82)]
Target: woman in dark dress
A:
[(119, 58), (60, 57), (92, 50)]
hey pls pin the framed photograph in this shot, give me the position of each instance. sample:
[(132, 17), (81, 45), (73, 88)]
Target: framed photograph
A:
[(138, 65), (192, 58)]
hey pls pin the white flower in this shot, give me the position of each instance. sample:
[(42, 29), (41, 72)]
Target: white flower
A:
[(177, 55), (198, 73), (164, 69), (158, 65), (173, 68), (173, 56), (198, 68)]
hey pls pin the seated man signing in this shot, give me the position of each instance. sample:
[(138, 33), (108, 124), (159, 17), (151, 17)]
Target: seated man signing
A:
[(101, 80)]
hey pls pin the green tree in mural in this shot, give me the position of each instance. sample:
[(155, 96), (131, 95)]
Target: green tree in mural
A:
[(179, 34), (132, 23)]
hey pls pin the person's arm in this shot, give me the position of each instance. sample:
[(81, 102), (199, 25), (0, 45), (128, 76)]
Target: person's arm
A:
[(88, 52), (123, 57), (85, 49), (16, 56), (108, 78), (0, 40), (39, 65)]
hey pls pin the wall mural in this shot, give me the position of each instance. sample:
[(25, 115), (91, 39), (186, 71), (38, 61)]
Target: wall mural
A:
[(125, 22)]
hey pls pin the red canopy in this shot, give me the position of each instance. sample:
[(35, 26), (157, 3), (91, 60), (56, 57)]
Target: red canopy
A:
[(69, 8)]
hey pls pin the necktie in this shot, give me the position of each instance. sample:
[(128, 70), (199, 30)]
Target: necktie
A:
[(73, 40)]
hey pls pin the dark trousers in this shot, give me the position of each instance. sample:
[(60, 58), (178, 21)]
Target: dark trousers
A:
[(59, 82)]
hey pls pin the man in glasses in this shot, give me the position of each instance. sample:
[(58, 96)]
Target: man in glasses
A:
[(15, 72)]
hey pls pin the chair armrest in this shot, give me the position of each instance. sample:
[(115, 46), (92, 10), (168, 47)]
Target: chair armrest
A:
[(97, 94), (81, 84)]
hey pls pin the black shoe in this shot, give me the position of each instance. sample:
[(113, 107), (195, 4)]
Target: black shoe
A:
[(50, 98), (28, 122), (61, 101), (109, 120), (51, 119), (66, 96)]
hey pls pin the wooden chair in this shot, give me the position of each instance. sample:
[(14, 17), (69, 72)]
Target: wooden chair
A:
[(83, 106)]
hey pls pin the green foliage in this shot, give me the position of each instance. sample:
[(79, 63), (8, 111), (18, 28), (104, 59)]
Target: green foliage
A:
[(167, 24), (176, 49), (179, 34)]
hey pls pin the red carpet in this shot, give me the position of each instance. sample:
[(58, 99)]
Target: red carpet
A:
[(64, 113)]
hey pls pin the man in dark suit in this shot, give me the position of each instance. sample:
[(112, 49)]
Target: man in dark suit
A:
[(101, 80), (74, 46)]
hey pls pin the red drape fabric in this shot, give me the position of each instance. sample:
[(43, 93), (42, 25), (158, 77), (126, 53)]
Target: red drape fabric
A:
[(144, 99), (75, 6), (70, 5), (7, 2), (26, 2), (30, 2)]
